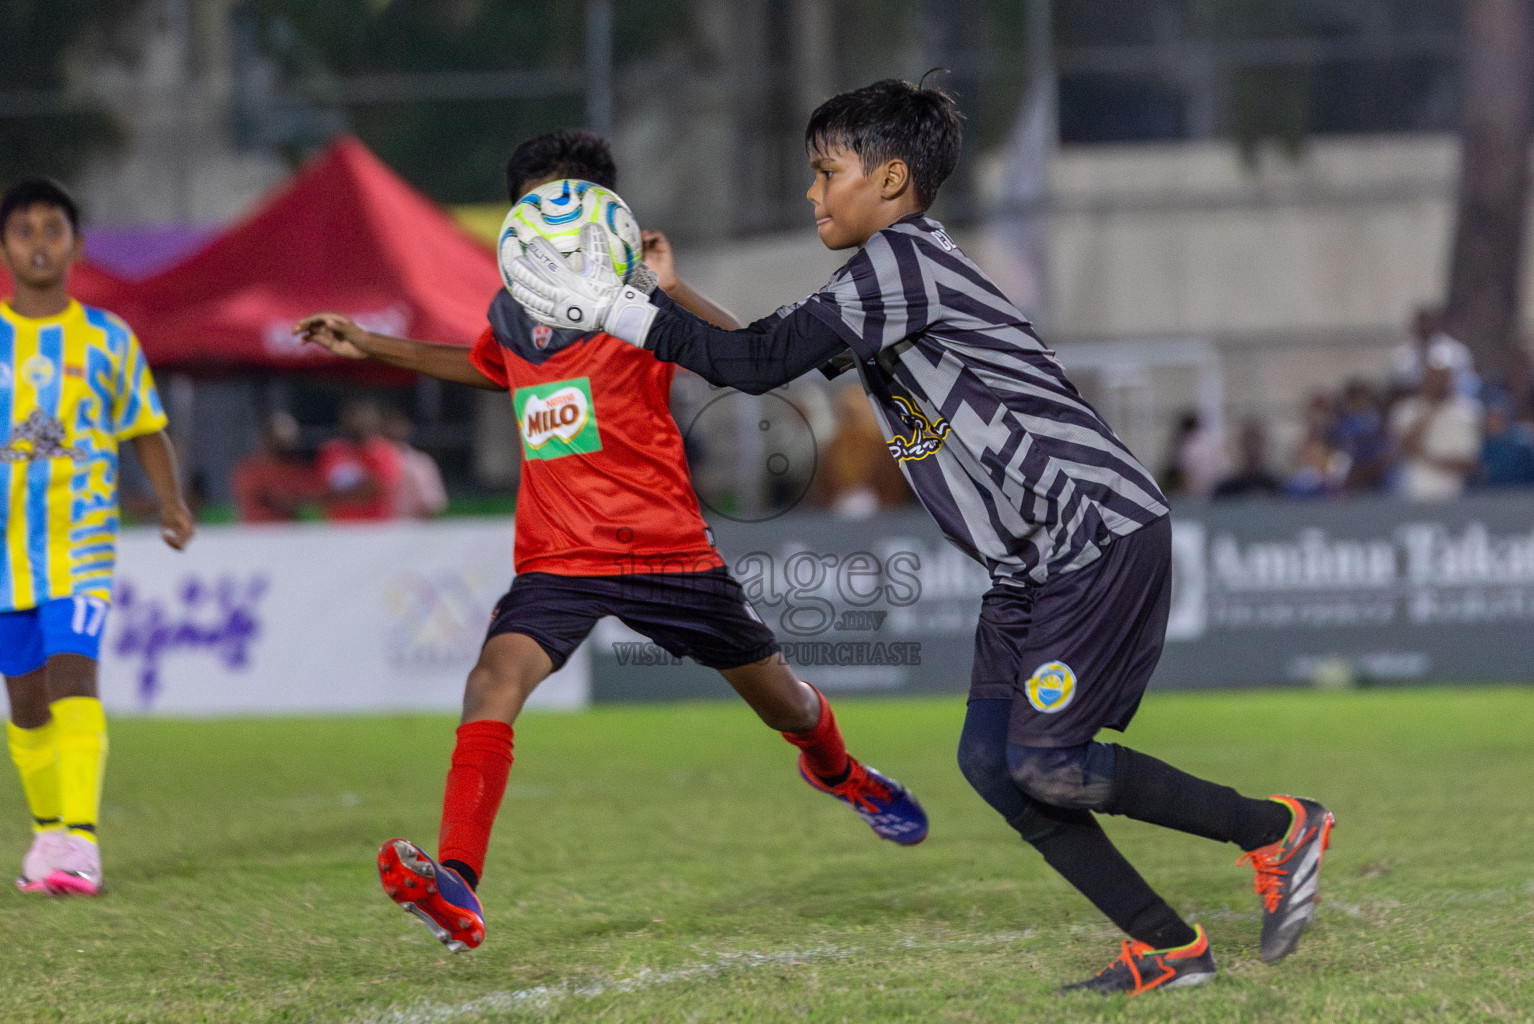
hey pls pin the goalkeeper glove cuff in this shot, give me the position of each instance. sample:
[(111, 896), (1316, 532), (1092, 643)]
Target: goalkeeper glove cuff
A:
[(630, 316)]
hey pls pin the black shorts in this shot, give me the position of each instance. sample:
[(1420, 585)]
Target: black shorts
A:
[(1075, 654), (700, 615)]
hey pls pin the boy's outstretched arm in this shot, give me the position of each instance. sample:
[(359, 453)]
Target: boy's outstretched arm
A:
[(767, 354), (158, 457), (342, 336)]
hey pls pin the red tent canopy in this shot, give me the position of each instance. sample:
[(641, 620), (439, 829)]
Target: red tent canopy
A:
[(344, 235)]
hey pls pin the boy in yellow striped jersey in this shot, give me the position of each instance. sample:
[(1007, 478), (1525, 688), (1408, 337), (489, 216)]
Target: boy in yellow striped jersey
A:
[(73, 384)]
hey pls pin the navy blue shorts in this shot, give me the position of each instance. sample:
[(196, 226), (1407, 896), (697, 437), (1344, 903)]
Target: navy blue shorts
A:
[(1075, 655), (700, 615)]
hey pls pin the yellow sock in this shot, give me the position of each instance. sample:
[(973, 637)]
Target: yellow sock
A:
[(36, 753), (82, 729)]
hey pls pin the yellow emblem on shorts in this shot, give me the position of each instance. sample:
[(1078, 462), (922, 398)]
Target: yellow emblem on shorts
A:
[(1051, 687)]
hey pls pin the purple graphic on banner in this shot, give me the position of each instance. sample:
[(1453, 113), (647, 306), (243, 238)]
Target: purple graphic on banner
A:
[(217, 616)]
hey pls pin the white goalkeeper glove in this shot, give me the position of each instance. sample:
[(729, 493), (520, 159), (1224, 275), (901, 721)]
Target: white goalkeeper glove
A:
[(595, 299)]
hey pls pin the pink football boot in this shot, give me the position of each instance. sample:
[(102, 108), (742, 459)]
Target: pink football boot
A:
[(78, 871)]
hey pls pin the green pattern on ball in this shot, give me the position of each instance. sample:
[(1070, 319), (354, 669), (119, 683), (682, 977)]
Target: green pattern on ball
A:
[(557, 211)]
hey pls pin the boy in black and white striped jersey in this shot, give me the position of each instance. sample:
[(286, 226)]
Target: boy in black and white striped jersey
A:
[(1024, 476)]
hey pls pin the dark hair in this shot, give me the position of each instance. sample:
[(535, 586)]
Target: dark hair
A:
[(31, 191), (567, 153), (892, 120)]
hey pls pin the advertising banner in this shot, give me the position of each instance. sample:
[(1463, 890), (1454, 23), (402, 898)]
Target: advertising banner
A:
[(320, 618), (1363, 591), (1369, 590), (310, 618)]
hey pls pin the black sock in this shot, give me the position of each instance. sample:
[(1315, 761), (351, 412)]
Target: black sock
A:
[(1072, 841), (1150, 790), (468, 873), (1081, 851)]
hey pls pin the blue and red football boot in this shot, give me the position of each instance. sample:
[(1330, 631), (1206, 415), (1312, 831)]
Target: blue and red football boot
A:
[(437, 895), (887, 806)]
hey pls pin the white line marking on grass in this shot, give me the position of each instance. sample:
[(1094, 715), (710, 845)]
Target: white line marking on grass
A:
[(541, 997)]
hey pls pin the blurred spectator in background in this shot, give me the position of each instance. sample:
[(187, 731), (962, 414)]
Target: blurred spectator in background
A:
[(275, 483), (420, 494), (360, 470), (859, 476), (1195, 458), (1319, 469), (1507, 446), (1437, 431), (1359, 433), (1408, 359), (1252, 477)]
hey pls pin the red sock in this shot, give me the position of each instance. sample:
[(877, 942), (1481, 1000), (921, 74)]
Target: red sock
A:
[(475, 784), (825, 755)]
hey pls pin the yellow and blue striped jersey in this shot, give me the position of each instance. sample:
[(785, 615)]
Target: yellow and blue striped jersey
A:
[(71, 387)]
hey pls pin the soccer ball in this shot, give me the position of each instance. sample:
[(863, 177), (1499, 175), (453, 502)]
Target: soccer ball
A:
[(557, 211)]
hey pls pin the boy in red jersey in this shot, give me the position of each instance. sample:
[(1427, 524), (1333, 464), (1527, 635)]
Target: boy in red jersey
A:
[(607, 524)]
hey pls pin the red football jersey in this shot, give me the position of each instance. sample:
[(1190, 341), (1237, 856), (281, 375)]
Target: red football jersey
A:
[(605, 487)]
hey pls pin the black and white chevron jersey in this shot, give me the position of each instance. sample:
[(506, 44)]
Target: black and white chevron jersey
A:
[(1017, 469)]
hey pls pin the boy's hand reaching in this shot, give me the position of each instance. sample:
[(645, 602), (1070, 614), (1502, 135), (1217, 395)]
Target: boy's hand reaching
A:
[(335, 333), (660, 263), (659, 258), (157, 455), (595, 299), (177, 525)]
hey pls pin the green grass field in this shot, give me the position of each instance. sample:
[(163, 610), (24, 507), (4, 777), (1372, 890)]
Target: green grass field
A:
[(667, 864)]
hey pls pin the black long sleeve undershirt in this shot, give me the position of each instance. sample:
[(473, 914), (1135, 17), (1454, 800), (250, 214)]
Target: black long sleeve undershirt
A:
[(754, 359)]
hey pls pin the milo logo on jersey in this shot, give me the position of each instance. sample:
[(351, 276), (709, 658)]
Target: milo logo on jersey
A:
[(557, 419)]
